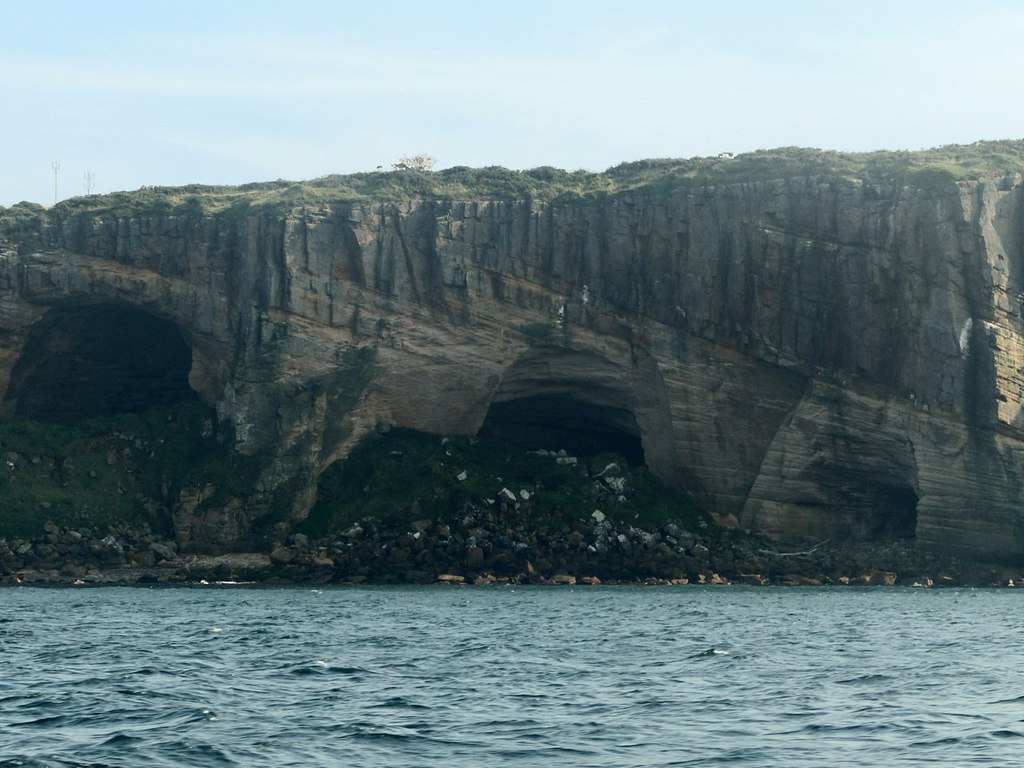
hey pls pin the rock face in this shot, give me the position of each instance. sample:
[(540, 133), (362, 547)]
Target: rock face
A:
[(810, 356)]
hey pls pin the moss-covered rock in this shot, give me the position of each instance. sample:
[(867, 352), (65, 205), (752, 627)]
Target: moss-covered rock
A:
[(128, 469)]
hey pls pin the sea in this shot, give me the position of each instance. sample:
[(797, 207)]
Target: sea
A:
[(222, 675)]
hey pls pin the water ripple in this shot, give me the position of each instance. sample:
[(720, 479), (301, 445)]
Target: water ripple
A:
[(595, 677)]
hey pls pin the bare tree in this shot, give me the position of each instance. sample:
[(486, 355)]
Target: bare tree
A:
[(415, 163)]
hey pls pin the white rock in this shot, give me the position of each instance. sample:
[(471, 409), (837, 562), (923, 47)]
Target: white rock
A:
[(507, 494), (462, 476), (524, 494), (598, 515)]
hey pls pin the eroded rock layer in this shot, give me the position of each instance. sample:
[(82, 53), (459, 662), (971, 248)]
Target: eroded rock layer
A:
[(811, 356)]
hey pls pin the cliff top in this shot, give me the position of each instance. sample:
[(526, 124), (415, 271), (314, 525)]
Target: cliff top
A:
[(933, 170)]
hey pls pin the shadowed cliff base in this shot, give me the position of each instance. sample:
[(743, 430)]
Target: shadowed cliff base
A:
[(408, 507), (401, 476), (123, 470)]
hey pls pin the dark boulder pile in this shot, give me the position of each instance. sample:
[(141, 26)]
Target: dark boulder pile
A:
[(64, 554), (493, 545)]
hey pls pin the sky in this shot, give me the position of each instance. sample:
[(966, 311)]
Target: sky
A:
[(223, 92)]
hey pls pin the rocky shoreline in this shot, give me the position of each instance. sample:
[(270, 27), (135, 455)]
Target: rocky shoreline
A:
[(485, 547)]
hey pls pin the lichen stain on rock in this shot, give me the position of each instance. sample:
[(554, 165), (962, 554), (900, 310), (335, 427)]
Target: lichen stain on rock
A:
[(804, 355)]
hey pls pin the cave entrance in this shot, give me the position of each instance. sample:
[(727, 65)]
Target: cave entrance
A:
[(98, 360), (554, 422), (864, 503), (891, 514)]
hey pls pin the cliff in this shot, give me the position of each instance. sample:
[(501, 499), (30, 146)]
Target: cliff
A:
[(809, 344)]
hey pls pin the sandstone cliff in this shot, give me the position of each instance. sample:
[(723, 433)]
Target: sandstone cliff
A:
[(831, 353)]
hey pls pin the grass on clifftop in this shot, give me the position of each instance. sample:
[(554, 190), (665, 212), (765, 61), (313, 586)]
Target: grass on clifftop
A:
[(932, 169)]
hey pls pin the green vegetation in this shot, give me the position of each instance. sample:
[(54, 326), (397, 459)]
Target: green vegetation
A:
[(931, 170), (107, 471), (404, 475), (942, 165)]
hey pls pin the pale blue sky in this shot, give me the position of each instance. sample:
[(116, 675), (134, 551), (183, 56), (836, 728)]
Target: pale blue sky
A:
[(224, 92)]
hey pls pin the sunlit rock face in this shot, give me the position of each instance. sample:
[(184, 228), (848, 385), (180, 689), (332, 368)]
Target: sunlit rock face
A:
[(808, 357)]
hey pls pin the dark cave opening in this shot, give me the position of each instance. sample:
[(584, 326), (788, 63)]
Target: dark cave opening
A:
[(892, 514), (861, 498), (554, 422), (98, 360)]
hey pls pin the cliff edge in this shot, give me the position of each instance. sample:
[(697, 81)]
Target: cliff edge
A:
[(809, 344)]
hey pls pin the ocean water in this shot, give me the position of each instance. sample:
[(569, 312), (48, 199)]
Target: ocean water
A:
[(511, 676)]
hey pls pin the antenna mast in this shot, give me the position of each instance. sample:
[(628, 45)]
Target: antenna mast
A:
[(56, 168), (90, 180)]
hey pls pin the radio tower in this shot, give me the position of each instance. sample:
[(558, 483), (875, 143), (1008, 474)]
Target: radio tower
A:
[(56, 168), (90, 180)]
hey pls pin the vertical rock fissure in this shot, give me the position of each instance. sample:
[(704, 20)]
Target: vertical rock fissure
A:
[(410, 267)]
